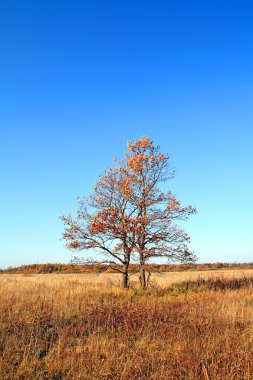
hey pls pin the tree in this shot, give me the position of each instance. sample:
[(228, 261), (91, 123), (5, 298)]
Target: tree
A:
[(157, 234), (128, 216)]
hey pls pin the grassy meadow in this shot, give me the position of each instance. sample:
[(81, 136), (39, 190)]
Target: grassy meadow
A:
[(187, 325)]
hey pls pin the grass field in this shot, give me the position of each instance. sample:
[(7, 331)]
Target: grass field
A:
[(85, 327)]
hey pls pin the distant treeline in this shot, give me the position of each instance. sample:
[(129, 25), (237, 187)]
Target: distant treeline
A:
[(96, 268)]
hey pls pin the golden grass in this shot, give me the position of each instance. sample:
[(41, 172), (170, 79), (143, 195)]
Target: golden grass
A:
[(85, 327), (94, 280)]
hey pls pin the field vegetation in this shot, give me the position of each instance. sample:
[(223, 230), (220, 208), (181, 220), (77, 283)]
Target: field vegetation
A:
[(133, 268), (188, 325)]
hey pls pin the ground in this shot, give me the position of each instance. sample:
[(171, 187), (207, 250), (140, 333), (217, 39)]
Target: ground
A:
[(85, 327)]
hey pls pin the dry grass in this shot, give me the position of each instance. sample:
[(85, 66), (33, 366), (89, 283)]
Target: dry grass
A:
[(84, 327), (108, 280)]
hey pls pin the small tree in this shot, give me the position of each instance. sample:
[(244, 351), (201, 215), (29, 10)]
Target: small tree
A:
[(103, 222), (128, 216), (156, 211)]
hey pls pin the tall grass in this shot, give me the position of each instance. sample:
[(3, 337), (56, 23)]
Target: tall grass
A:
[(61, 327)]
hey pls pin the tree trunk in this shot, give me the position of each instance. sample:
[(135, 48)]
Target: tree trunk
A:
[(125, 283), (143, 277)]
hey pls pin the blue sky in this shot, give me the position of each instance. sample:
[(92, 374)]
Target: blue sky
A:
[(80, 78)]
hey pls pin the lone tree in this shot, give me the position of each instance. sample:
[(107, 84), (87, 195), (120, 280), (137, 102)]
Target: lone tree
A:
[(128, 216)]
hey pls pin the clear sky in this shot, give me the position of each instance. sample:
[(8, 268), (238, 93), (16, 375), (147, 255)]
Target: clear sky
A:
[(80, 78)]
